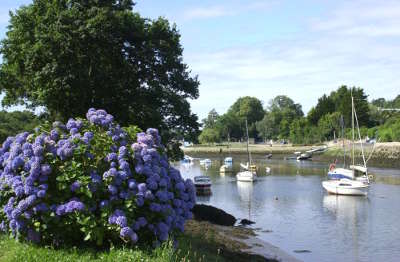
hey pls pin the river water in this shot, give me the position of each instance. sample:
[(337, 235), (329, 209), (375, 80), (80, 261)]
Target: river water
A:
[(292, 211)]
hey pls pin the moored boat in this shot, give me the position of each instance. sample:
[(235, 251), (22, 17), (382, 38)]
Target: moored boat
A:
[(352, 181), (202, 185), (225, 169), (228, 160), (246, 176), (249, 172), (345, 186), (304, 156), (206, 161)]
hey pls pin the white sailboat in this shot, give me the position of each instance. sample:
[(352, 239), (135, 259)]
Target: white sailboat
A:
[(248, 174), (343, 181)]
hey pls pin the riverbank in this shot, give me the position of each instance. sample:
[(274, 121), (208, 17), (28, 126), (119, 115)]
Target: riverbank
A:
[(380, 155), (240, 242), (240, 148), (202, 241)]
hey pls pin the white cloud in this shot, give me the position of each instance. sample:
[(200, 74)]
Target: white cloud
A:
[(230, 9), (207, 12), (362, 18), (302, 69)]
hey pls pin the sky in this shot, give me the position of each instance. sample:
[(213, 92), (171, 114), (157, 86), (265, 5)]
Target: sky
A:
[(302, 49)]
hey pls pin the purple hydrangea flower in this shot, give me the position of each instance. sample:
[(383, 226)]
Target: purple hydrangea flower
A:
[(75, 186)]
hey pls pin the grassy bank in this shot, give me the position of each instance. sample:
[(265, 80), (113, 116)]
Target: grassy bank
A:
[(199, 243)]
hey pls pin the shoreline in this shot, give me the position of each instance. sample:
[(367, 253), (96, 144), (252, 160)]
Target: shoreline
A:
[(239, 240), (383, 155)]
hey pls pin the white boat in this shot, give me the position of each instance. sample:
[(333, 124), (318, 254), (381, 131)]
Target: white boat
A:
[(248, 174), (202, 185), (225, 169), (304, 156), (346, 186), (228, 160), (187, 159), (206, 161), (267, 169), (352, 181)]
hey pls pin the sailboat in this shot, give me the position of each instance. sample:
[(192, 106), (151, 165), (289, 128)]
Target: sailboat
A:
[(248, 174), (228, 162), (345, 181)]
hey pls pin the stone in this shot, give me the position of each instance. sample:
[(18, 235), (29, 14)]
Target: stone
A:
[(213, 215)]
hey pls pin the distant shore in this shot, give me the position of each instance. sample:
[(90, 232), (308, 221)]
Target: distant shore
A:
[(381, 155)]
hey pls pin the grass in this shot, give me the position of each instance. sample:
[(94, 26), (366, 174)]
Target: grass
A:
[(12, 250), (200, 242)]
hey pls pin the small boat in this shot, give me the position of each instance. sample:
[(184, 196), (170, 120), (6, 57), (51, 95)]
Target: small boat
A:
[(202, 185), (318, 149), (304, 156), (345, 186), (267, 170), (269, 156), (225, 169), (228, 160), (206, 161), (187, 159), (246, 176)]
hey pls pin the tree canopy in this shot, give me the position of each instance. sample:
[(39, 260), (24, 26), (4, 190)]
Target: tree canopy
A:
[(72, 55), (12, 123)]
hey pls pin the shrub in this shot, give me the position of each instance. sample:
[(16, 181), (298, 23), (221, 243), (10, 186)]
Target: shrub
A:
[(91, 180)]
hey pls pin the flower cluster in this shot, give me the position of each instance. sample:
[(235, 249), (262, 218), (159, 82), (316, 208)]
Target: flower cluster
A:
[(91, 179)]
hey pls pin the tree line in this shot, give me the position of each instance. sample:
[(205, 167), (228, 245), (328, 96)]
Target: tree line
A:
[(283, 119)]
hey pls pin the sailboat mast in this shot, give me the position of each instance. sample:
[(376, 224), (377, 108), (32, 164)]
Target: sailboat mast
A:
[(247, 135), (352, 126)]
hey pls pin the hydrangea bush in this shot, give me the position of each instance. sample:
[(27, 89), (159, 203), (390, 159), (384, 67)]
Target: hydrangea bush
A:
[(91, 180)]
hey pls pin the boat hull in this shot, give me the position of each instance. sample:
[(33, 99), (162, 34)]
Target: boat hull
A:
[(225, 169), (345, 187), (246, 176)]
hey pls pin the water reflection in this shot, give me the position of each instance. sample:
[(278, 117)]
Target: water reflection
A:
[(245, 191), (291, 203)]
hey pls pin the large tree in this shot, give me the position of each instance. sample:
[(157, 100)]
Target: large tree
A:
[(281, 112), (70, 55), (246, 108), (342, 100)]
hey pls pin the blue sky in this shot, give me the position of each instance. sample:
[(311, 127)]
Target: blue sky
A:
[(302, 49)]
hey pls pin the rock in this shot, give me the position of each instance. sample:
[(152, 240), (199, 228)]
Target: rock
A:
[(246, 222), (302, 251), (213, 215), (267, 231)]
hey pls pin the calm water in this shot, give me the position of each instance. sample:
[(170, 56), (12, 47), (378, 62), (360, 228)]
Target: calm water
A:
[(294, 213)]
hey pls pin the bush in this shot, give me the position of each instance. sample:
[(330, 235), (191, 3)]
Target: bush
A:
[(90, 180)]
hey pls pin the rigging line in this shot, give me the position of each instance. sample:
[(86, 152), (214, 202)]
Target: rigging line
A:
[(373, 149)]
